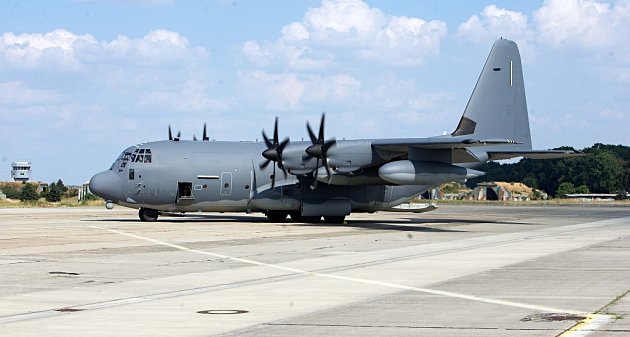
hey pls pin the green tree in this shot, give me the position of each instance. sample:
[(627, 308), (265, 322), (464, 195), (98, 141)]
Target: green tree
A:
[(565, 188), (28, 193), (61, 186), (530, 181), (54, 192), (582, 189), (10, 191)]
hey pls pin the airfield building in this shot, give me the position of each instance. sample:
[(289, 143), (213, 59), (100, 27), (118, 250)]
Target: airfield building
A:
[(21, 170)]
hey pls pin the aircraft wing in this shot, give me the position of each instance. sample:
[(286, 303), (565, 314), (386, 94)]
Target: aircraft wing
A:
[(533, 154), (459, 148), (435, 143)]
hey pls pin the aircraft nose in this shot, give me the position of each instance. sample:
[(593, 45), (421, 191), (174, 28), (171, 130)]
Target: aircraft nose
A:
[(107, 185)]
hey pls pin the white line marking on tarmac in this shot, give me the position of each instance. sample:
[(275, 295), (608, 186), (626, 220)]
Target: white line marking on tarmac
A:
[(351, 279)]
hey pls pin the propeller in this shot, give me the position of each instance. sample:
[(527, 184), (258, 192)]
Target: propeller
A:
[(274, 152), (319, 149)]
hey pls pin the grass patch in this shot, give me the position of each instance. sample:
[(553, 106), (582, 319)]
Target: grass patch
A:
[(41, 203)]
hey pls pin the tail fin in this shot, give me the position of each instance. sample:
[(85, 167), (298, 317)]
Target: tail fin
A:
[(497, 107)]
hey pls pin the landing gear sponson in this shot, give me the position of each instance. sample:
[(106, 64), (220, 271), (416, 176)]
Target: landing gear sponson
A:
[(150, 215)]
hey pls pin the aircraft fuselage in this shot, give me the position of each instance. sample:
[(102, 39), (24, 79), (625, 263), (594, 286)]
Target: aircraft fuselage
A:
[(188, 176)]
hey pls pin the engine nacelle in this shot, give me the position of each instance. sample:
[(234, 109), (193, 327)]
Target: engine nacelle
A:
[(408, 172)]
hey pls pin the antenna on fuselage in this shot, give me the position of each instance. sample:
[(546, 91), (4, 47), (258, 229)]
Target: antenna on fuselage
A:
[(205, 133)]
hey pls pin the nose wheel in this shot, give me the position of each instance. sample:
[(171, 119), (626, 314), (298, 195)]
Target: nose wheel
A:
[(148, 215)]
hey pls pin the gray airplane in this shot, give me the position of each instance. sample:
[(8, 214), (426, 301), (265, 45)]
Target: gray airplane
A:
[(323, 177)]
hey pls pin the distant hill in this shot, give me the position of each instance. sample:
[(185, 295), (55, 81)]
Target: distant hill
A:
[(604, 169)]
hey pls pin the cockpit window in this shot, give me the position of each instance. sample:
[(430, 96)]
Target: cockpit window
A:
[(138, 156)]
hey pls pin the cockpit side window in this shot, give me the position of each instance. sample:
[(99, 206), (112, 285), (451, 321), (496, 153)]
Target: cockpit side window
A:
[(125, 158), (147, 156), (134, 155), (140, 156)]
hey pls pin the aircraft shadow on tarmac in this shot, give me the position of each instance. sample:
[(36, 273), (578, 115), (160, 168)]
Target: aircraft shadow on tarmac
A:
[(404, 225), (394, 225)]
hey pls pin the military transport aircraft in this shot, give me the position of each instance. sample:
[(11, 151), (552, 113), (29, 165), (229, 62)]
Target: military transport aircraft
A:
[(326, 177)]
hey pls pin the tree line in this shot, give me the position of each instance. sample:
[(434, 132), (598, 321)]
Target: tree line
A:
[(28, 192), (604, 168)]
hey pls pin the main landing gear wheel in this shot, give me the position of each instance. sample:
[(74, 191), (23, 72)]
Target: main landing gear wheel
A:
[(334, 219), (277, 216), (298, 217), (148, 215)]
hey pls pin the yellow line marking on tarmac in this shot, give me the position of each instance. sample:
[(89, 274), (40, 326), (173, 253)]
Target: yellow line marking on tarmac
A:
[(587, 325), (580, 329)]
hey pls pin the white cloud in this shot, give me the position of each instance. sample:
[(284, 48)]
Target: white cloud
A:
[(350, 27), (53, 49), (15, 93), (64, 50), (192, 97), (588, 23), (495, 22), (295, 32), (344, 22), (290, 90)]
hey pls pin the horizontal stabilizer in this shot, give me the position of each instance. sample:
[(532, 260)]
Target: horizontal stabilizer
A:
[(533, 154)]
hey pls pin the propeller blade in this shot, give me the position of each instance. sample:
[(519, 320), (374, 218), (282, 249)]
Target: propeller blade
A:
[(314, 181), (321, 127), (328, 144), (281, 146), (264, 164), (311, 133), (194, 137), (170, 134), (205, 134), (266, 139), (273, 177), (327, 168), (275, 132)]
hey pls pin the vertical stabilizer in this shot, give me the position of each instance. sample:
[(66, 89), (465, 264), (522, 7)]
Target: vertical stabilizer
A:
[(497, 107)]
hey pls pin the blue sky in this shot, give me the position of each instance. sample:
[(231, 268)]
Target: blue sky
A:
[(82, 80)]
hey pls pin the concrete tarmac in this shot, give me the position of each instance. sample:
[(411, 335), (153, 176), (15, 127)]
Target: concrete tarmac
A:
[(462, 270)]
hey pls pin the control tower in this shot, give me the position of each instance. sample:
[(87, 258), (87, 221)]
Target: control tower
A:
[(21, 170)]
